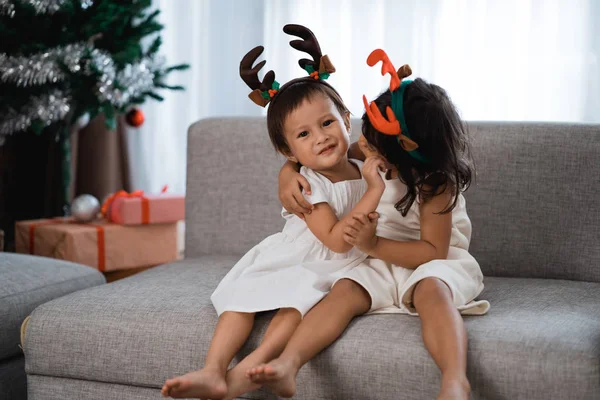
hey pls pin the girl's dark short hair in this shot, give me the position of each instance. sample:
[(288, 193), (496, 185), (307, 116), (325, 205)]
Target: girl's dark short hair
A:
[(434, 123), (289, 98)]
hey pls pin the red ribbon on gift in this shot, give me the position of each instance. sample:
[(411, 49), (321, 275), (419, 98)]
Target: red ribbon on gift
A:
[(100, 242), (136, 194), (122, 193)]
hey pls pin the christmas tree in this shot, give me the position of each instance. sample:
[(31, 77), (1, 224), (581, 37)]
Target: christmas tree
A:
[(63, 59)]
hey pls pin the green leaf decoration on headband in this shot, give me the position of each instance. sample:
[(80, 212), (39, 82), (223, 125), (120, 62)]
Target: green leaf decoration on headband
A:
[(267, 94), (312, 72)]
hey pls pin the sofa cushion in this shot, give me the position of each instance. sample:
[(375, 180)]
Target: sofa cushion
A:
[(540, 340), (53, 388), (532, 202), (27, 282), (231, 181)]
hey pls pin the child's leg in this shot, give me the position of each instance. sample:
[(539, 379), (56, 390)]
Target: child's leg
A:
[(279, 332), (319, 328), (231, 333), (444, 336)]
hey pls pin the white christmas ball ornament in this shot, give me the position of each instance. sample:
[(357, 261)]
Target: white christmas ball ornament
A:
[(85, 208), (83, 121)]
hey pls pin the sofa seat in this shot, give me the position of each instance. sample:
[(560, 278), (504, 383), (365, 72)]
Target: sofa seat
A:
[(26, 282), (540, 340)]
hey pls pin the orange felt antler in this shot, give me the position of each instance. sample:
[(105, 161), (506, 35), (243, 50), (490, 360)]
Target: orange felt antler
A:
[(389, 126), (386, 67)]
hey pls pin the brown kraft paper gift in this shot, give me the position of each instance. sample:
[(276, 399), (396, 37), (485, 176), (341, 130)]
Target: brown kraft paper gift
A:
[(99, 244)]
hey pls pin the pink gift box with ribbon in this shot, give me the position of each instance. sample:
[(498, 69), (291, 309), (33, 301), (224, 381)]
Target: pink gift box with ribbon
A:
[(138, 208)]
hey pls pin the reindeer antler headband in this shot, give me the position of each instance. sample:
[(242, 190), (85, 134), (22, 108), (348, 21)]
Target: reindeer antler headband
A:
[(318, 68), (395, 124)]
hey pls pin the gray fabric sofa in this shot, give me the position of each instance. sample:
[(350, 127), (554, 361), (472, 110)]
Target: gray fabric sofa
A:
[(25, 283), (536, 225)]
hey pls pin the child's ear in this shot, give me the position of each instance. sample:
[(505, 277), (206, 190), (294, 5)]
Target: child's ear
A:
[(347, 122), (288, 154)]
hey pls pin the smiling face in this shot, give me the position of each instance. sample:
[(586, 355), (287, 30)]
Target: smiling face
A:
[(316, 134)]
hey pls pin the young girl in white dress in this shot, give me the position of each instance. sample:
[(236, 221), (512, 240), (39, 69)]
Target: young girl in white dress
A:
[(417, 241), (293, 270)]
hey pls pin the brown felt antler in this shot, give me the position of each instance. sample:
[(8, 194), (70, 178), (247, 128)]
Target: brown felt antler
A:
[(319, 64), (249, 75)]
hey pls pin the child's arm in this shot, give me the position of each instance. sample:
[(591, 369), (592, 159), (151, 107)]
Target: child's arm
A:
[(434, 243), (325, 225)]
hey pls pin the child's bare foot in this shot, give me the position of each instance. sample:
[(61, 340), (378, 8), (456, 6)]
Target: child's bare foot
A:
[(278, 375), (455, 389), (205, 383), (238, 383)]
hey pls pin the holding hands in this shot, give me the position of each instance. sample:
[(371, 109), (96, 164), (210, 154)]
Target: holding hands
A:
[(360, 231)]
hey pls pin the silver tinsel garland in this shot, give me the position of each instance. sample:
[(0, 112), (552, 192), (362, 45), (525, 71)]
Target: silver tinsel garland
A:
[(118, 88), (45, 6), (40, 69), (47, 108), (40, 6), (44, 68), (134, 79), (7, 8)]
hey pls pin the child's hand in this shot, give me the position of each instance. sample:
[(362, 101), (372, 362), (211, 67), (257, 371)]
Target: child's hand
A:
[(371, 169), (290, 193), (360, 231)]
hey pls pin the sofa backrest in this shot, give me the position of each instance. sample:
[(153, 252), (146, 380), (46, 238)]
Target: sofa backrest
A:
[(534, 203)]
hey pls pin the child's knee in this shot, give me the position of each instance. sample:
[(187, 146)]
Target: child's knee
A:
[(352, 294), (431, 289)]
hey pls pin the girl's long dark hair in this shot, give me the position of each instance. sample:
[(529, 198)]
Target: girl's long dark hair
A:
[(433, 122)]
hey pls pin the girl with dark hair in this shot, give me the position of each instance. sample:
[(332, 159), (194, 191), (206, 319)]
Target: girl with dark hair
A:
[(418, 238)]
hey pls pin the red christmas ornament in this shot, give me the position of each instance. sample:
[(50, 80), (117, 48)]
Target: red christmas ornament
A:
[(135, 117)]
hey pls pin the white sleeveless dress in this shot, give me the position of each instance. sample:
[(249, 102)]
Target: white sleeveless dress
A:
[(293, 269), (391, 286)]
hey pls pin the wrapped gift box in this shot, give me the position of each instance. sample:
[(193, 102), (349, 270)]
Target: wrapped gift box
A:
[(99, 244), (138, 208)]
